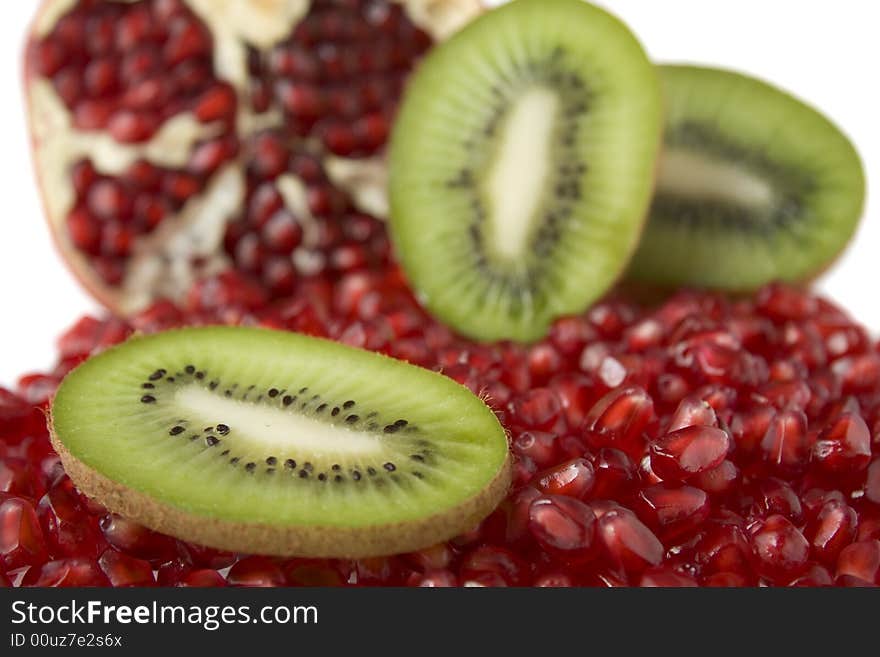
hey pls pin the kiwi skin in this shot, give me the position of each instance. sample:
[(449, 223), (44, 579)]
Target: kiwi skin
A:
[(312, 541)]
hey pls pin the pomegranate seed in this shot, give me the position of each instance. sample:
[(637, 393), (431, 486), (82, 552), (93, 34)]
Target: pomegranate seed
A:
[(576, 394), (48, 57), (619, 418), (537, 409), (188, 39), (539, 446), (781, 303), (614, 473), (517, 514), (861, 560), (108, 200), (872, 483), (749, 428), (835, 527), (564, 527), (180, 186), (787, 395), (438, 557), (629, 544), (282, 233), (131, 127), (68, 528), (202, 578), (256, 572), (116, 239), (724, 548), (302, 101), (21, 539), (719, 481), (725, 580), (664, 576), (689, 451), (772, 496), (692, 411), (72, 572), (338, 138), (544, 361), (125, 571), (858, 373), (571, 334), (134, 539), (574, 478), (207, 157), (203, 557), (553, 580), (434, 578), (780, 551), (816, 575), (671, 388), (215, 104), (494, 561), (16, 478), (18, 418), (844, 446), (815, 499), (379, 571), (672, 511), (787, 445)]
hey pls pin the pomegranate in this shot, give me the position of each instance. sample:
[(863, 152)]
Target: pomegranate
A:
[(175, 139)]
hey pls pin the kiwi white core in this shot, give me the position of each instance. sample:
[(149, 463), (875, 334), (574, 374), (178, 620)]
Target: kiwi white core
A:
[(519, 174), (695, 176), (274, 428)]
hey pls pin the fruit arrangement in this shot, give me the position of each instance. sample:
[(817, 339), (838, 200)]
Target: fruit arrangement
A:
[(216, 174)]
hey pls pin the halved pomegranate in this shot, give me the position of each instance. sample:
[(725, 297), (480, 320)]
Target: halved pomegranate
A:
[(175, 139)]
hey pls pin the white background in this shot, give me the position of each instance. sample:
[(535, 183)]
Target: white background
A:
[(826, 52)]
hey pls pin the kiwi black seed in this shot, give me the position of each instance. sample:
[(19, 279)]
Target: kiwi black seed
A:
[(522, 164), (753, 186), (270, 477)]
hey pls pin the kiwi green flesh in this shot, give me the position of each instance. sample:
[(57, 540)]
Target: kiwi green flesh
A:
[(521, 166), (276, 443), (753, 186)]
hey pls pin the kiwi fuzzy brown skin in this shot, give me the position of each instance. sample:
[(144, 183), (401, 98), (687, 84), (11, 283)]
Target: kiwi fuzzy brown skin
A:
[(317, 542)]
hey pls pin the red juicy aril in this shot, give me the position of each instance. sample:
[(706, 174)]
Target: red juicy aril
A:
[(170, 135), (676, 475)]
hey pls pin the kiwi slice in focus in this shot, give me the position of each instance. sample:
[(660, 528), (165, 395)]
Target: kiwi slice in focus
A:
[(753, 186), (522, 165), (269, 442)]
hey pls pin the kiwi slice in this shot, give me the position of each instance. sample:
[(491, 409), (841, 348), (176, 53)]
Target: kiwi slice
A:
[(522, 165), (753, 186), (275, 443)]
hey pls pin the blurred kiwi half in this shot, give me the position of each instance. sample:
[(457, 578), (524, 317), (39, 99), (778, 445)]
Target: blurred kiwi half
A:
[(753, 186)]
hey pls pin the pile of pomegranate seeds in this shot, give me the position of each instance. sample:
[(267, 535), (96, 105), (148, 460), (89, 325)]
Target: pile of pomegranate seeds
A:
[(702, 442)]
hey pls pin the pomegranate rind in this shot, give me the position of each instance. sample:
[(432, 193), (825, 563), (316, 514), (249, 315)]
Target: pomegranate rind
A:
[(233, 24)]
